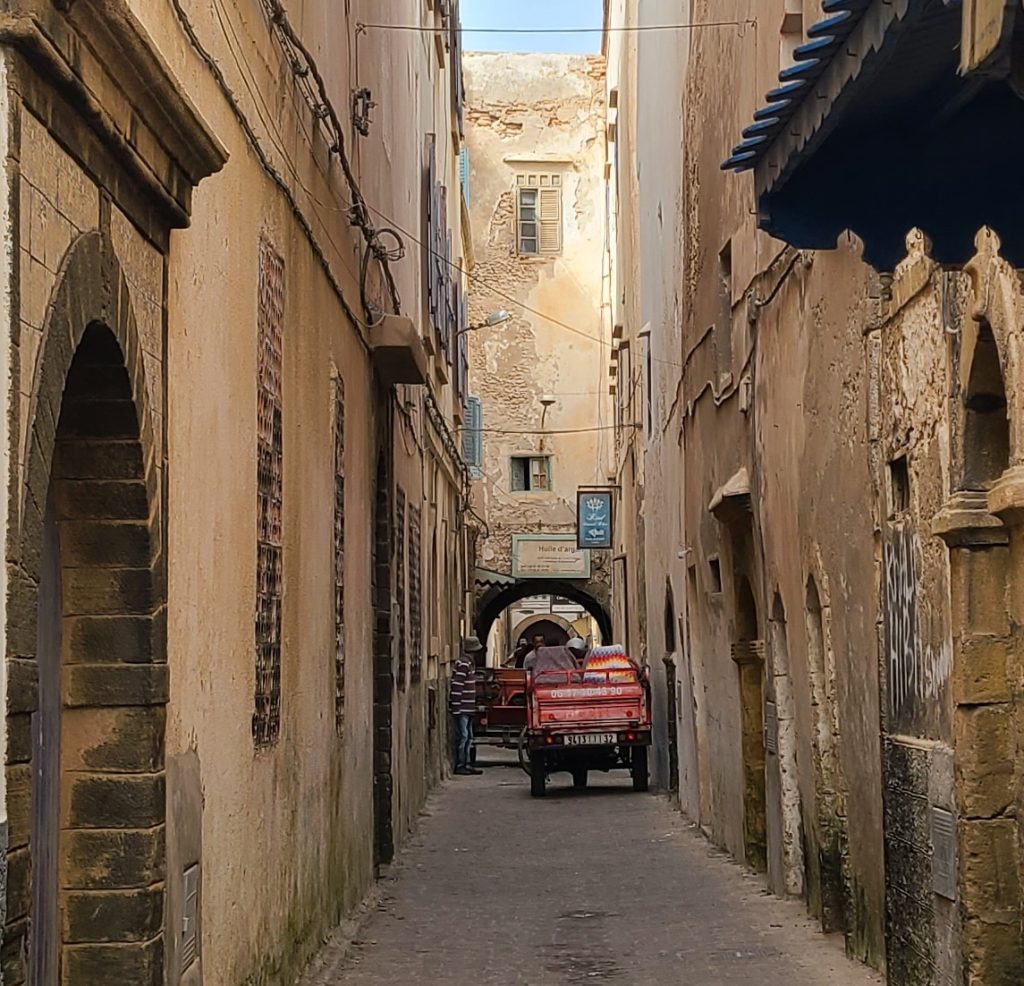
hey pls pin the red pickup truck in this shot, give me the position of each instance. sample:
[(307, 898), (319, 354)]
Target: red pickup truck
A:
[(595, 718)]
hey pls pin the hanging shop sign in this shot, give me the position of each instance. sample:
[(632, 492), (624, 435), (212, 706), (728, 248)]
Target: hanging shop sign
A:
[(548, 556), (594, 518)]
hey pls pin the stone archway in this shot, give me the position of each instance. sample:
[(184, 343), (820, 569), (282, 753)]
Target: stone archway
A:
[(490, 606), (87, 645)]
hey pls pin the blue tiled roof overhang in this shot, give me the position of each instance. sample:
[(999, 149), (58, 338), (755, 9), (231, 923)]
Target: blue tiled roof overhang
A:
[(874, 130)]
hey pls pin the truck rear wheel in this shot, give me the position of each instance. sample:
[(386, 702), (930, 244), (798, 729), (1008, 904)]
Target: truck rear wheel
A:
[(579, 779), (538, 775), (638, 762)]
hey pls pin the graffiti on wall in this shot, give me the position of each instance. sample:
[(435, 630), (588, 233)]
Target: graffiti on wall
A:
[(903, 655)]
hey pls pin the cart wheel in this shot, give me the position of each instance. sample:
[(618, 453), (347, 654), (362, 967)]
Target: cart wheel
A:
[(538, 775), (579, 779), (639, 768)]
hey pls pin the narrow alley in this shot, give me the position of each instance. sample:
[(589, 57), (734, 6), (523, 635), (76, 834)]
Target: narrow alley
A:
[(637, 384), (594, 886)]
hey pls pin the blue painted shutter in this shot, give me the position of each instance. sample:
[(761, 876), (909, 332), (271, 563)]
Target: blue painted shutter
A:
[(464, 172), (472, 434)]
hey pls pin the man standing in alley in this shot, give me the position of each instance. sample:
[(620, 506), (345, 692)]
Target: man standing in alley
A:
[(462, 704)]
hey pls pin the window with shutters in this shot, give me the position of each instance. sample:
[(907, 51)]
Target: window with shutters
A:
[(473, 436), (531, 473), (539, 218), (266, 719)]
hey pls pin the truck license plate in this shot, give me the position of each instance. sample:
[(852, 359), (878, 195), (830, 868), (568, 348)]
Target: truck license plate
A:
[(590, 739)]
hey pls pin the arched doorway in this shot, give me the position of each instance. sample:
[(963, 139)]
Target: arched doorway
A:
[(88, 585), (748, 653)]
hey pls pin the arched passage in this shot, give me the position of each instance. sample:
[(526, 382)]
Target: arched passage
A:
[(498, 599), (87, 645), (555, 629)]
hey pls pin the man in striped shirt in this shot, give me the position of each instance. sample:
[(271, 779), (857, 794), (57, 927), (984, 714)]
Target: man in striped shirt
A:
[(462, 704)]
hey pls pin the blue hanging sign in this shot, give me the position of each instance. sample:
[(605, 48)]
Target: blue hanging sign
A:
[(594, 518)]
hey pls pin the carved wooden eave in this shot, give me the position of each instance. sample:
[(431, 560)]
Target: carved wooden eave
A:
[(104, 64)]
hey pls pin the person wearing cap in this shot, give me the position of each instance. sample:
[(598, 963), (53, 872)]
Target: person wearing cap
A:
[(515, 659), (462, 704), (579, 648)]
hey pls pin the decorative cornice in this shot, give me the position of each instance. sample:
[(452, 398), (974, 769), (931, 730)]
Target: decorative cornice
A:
[(122, 89)]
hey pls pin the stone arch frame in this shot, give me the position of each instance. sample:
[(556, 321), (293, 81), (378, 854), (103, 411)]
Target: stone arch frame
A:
[(491, 603), (114, 678), (828, 878), (791, 880), (981, 529)]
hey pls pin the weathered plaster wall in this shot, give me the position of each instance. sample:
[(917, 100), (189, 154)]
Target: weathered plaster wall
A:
[(767, 407), (648, 302), (537, 114), (289, 831)]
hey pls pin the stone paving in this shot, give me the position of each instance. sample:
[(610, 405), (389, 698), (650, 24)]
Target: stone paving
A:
[(594, 886)]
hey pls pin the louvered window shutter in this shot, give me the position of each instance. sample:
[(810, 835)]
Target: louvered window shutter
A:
[(464, 172), (472, 436), (550, 214)]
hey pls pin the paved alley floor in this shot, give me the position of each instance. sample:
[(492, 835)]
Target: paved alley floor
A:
[(595, 886)]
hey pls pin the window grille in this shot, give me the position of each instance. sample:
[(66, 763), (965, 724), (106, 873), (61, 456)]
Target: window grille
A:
[(266, 720), (339, 554), (401, 588), (540, 214), (415, 595)]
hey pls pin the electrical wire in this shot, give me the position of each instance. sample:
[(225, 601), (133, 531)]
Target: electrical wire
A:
[(264, 162), (553, 431), (636, 29), (305, 66), (279, 17)]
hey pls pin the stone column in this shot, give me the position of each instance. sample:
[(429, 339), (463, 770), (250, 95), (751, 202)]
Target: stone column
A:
[(981, 549)]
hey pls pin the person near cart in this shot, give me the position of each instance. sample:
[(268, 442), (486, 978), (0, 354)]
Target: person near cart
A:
[(462, 705)]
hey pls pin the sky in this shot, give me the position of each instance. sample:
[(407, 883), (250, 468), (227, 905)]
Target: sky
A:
[(532, 14)]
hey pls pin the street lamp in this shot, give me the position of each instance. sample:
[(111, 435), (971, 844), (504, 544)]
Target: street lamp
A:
[(495, 318)]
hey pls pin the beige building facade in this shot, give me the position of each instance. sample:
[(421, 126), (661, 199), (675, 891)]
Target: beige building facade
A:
[(542, 423), (827, 509), (232, 473)]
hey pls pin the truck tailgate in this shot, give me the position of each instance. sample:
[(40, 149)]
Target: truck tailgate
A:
[(586, 705)]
